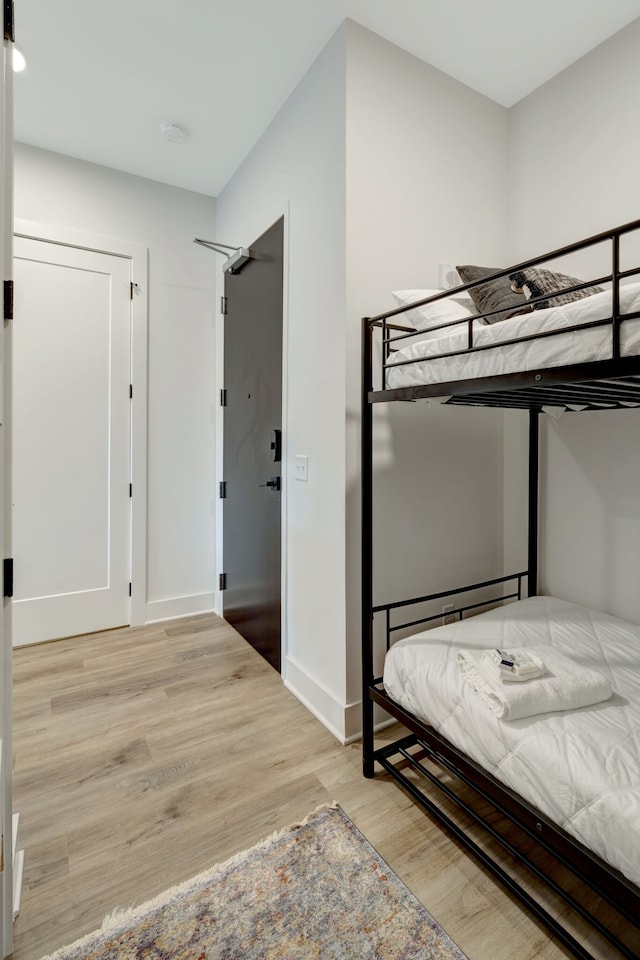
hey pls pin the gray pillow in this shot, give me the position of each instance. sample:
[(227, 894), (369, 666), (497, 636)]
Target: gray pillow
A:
[(494, 295), (535, 283)]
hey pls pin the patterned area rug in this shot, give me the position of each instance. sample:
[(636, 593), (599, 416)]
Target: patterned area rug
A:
[(316, 890)]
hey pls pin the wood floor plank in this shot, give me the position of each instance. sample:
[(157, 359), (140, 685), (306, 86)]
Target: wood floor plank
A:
[(144, 756)]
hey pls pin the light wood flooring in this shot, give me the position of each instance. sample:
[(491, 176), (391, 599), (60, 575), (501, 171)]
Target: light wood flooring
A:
[(143, 756)]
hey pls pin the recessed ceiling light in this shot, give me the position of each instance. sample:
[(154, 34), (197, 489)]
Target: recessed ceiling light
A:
[(19, 60), (173, 132)]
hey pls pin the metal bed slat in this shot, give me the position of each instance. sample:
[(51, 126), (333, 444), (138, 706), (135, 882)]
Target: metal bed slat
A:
[(614, 394), (524, 401), (597, 393)]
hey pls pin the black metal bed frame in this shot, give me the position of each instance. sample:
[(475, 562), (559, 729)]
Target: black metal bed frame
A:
[(604, 384)]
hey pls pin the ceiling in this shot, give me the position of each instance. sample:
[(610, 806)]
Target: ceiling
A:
[(102, 77)]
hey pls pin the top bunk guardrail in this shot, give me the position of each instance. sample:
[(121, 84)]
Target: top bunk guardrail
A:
[(560, 350)]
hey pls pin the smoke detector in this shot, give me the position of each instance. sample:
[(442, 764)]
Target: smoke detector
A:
[(173, 132)]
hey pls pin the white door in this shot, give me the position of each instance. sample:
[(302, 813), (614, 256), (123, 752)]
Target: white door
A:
[(71, 441)]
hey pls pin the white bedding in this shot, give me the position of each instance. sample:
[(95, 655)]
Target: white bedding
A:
[(577, 347), (579, 767)]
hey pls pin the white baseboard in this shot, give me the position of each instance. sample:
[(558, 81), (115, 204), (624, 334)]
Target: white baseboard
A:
[(342, 720), (353, 721), (158, 610)]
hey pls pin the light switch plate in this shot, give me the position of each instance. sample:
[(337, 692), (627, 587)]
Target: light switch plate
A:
[(301, 467)]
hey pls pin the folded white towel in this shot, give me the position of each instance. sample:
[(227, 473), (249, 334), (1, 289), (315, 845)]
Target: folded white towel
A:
[(565, 685)]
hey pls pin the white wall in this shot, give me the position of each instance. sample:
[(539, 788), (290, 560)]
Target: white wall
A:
[(574, 160), (60, 191), (371, 204), (574, 147), (297, 168), (426, 173)]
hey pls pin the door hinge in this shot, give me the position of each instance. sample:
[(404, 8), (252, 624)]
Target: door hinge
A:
[(130, 489), (7, 577), (223, 306), (130, 391), (223, 398), (223, 490), (8, 299), (129, 589), (133, 286), (222, 581), (9, 27)]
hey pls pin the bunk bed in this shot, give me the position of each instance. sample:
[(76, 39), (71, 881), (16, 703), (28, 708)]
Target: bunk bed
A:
[(573, 825)]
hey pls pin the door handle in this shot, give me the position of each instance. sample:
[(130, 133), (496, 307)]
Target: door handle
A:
[(276, 446), (273, 482)]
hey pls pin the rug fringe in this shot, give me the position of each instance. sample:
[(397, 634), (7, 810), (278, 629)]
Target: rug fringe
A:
[(122, 916)]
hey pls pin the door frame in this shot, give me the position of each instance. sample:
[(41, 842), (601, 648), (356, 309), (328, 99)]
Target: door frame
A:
[(251, 234), (138, 255), (7, 901)]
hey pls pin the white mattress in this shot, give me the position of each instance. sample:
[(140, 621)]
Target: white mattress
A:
[(577, 347), (580, 767)]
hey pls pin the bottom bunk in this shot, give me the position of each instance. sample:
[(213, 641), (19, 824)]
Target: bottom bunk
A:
[(558, 789)]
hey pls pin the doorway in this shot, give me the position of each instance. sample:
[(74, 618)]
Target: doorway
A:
[(252, 448), (72, 436)]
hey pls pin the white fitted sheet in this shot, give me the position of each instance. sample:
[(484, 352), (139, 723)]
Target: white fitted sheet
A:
[(580, 346), (579, 767)]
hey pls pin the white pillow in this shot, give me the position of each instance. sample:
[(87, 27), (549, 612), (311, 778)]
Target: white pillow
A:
[(433, 314)]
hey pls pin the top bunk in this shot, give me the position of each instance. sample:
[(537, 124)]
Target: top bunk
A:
[(528, 336)]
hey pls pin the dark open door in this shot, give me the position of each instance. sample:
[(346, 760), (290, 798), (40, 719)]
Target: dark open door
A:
[(252, 445)]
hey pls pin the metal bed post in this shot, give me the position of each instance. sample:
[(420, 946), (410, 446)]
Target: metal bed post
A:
[(367, 550), (534, 479), (615, 294)]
